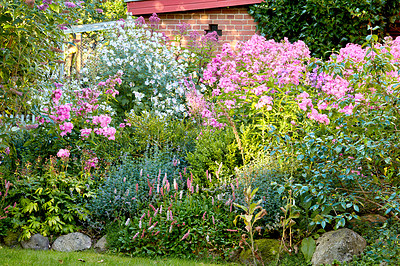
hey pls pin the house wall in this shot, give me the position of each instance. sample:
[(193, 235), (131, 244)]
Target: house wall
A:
[(235, 22)]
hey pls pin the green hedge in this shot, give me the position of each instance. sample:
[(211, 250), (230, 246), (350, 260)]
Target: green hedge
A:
[(324, 25)]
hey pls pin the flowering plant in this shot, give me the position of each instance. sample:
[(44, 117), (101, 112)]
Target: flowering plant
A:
[(153, 70)]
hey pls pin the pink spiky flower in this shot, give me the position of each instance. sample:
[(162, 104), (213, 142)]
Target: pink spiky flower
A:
[(186, 235), (136, 235)]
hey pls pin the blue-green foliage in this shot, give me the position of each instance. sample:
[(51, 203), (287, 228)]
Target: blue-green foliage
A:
[(118, 195)]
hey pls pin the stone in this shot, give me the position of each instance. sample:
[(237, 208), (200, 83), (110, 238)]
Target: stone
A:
[(268, 249), (340, 245), (72, 242), (101, 245), (36, 242)]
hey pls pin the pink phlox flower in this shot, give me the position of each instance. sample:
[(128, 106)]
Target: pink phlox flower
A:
[(154, 20), (63, 153), (70, 4), (264, 100), (103, 120), (66, 128), (322, 105), (229, 104), (56, 95), (321, 118), (348, 110)]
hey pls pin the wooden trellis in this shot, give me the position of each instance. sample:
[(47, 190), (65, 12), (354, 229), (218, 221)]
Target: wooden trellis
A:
[(77, 52)]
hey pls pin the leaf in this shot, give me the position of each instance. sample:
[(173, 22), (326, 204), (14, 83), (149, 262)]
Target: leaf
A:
[(307, 248)]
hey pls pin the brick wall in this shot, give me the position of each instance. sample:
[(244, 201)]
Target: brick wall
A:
[(234, 22)]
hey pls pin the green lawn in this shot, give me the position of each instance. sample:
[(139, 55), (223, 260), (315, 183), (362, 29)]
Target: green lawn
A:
[(30, 257)]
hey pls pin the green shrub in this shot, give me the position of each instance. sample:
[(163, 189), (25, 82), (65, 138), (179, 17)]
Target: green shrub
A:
[(49, 204), (162, 133), (216, 150), (124, 192), (324, 25), (261, 174), (184, 226)]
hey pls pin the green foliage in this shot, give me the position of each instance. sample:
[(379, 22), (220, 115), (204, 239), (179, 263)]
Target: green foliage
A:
[(163, 133), (49, 204), (262, 173), (250, 217), (114, 10), (193, 225), (216, 150), (307, 248), (119, 197), (324, 25), (31, 40), (383, 246), (363, 166)]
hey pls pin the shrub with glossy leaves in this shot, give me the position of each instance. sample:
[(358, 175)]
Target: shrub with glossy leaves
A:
[(322, 24)]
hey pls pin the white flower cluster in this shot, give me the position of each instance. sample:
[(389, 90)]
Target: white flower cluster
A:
[(153, 70)]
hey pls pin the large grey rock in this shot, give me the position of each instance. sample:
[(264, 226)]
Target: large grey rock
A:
[(37, 242), (72, 242), (101, 245), (340, 245)]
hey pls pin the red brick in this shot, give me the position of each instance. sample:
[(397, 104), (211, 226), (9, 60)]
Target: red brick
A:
[(203, 21), (229, 11), (230, 16), (237, 22), (213, 16), (172, 21), (239, 17), (214, 11), (247, 32), (249, 27)]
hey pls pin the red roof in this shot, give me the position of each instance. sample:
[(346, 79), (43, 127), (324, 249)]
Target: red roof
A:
[(142, 7)]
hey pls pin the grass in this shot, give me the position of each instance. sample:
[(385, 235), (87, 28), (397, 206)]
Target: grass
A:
[(31, 257)]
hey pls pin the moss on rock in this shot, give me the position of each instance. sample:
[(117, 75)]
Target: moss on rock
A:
[(268, 249)]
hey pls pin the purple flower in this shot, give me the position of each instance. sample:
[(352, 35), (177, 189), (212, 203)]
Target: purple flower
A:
[(58, 85), (70, 4), (183, 28), (62, 27), (140, 21), (43, 7), (98, 10), (7, 150), (47, 2), (154, 20)]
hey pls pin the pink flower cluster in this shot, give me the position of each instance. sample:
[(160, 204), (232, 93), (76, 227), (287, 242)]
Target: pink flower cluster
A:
[(63, 153), (111, 82), (240, 76), (91, 163)]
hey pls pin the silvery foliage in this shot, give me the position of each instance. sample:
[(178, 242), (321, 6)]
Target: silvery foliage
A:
[(153, 69)]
